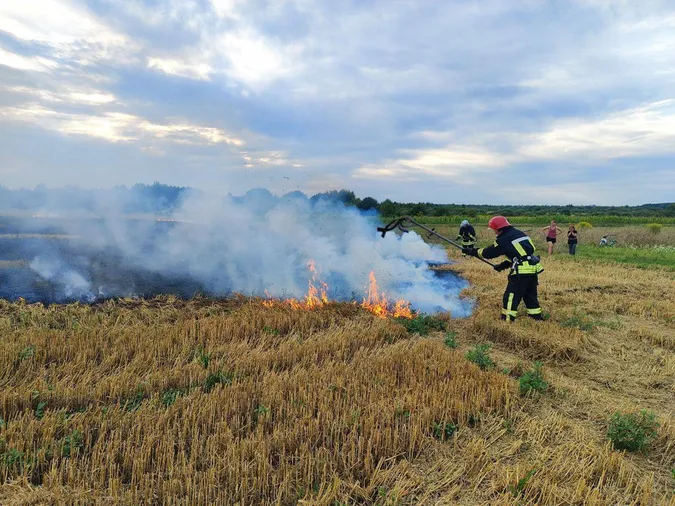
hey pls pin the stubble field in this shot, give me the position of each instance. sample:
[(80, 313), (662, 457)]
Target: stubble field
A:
[(233, 402)]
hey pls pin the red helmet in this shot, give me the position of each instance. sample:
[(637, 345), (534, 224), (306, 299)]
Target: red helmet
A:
[(496, 223)]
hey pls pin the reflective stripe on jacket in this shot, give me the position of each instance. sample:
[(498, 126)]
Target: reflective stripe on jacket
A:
[(516, 246)]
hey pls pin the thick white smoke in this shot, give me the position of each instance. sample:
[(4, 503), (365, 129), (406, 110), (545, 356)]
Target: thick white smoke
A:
[(254, 247)]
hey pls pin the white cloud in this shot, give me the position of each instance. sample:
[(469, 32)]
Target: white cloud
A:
[(449, 163), (56, 22), (646, 130), (94, 98), (180, 68), (254, 60), (190, 134), (64, 94), (112, 127), (119, 127), (225, 8), (19, 62)]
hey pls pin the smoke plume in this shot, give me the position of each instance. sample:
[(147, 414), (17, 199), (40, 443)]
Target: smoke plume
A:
[(256, 246)]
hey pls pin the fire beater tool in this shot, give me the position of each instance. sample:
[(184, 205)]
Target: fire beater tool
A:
[(405, 222)]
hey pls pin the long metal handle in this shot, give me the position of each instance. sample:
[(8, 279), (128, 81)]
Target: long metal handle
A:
[(400, 224)]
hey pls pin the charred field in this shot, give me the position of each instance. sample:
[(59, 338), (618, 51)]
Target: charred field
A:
[(232, 401), (96, 273)]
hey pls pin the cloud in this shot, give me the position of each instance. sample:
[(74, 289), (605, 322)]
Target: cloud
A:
[(446, 163), (81, 95), (181, 68), (16, 61), (55, 22), (119, 127), (645, 130), (254, 60), (436, 98)]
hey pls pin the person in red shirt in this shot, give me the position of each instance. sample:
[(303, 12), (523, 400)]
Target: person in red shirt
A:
[(551, 233)]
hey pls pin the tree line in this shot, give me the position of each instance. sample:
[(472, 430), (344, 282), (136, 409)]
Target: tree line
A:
[(157, 197)]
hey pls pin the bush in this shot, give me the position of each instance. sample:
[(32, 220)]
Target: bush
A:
[(480, 356), (654, 228), (632, 432), (584, 224), (533, 381)]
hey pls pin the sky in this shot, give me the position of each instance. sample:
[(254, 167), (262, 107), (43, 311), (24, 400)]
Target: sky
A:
[(475, 102)]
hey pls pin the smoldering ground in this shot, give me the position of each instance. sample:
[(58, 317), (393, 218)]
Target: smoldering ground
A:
[(257, 246)]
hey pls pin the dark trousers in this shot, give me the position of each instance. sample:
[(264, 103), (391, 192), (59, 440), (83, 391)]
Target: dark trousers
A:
[(522, 287), (573, 247)]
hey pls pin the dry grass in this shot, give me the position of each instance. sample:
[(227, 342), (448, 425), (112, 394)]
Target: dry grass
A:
[(232, 402), (319, 404)]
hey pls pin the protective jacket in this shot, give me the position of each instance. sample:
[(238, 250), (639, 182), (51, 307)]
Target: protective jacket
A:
[(518, 248), (467, 234), (523, 277)]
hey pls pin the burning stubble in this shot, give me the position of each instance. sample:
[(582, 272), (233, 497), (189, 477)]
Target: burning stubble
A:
[(305, 252)]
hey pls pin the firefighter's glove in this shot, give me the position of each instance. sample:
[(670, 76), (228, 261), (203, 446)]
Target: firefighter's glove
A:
[(472, 252), (502, 266)]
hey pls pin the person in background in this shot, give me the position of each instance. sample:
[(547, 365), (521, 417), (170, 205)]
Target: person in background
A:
[(467, 234), (603, 241), (524, 267), (552, 232), (572, 238)]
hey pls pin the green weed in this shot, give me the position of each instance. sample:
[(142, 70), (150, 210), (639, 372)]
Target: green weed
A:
[(518, 488), (13, 460), (632, 432), (217, 378), (586, 323), (480, 356), (40, 410), (134, 402), (169, 396), (26, 353), (444, 430), (202, 357), (72, 443), (422, 324), (451, 340), (402, 413), (533, 381), (582, 322)]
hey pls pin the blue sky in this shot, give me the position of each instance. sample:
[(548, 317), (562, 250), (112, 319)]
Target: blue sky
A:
[(528, 101)]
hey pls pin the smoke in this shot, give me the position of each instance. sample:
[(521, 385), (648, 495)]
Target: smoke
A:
[(254, 246)]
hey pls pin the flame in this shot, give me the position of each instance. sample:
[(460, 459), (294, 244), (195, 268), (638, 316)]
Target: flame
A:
[(317, 296), (378, 304)]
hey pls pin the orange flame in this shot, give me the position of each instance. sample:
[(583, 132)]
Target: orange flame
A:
[(375, 302), (378, 304)]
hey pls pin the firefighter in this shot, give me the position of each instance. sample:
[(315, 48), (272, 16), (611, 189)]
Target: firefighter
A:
[(467, 234), (523, 264)]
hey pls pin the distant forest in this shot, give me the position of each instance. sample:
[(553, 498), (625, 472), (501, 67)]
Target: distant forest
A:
[(160, 198)]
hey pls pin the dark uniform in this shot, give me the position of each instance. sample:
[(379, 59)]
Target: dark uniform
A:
[(467, 234), (524, 269)]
